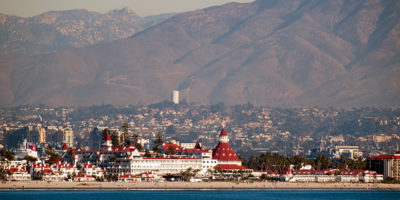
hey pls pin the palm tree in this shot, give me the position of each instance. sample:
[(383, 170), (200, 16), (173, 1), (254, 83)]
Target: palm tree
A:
[(195, 172), (49, 150), (170, 151), (125, 138), (147, 153), (210, 171)]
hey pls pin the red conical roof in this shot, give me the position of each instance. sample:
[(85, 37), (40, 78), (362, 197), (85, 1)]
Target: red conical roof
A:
[(223, 151), (197, 146), (223, 133), (107, 137)]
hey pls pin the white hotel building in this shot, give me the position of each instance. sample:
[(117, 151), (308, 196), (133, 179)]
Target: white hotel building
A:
[(130, 161)]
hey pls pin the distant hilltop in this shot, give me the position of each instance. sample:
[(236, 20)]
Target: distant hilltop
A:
[(61, 30), (270, 53)]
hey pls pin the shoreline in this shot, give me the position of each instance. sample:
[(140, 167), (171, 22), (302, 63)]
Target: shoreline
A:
[(42, 185)]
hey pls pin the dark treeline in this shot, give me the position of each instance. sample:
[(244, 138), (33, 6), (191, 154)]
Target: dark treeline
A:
[(275, 161)]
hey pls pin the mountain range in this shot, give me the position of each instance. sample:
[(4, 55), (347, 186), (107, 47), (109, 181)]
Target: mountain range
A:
[(61, 30), (339, 53)]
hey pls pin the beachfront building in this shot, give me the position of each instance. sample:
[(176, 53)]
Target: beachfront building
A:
[(52, 175), (84, 178), (388, 165), (92, 170), (227, 160), (333, 175), (128, 160), (129, 178), (198, 159), (18, 174)]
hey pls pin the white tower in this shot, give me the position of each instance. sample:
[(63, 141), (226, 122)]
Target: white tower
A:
[(175, 96)]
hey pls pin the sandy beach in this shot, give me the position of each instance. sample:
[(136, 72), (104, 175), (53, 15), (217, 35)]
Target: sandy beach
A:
[(27, 185)]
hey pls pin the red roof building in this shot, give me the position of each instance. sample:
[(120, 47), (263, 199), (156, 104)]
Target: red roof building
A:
[(64, 147), (228, 167), (174, 146), (106, 137), (387, 165), (107, 142), (129, 178), (223, 152)]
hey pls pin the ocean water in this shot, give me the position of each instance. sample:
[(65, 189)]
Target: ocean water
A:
[(202, 194)]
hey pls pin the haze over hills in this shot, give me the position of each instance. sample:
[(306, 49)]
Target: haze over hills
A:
[(340, 53), (61, 30)]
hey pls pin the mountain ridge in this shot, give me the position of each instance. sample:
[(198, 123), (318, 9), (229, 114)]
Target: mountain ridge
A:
[(273, 53), (62, 30)]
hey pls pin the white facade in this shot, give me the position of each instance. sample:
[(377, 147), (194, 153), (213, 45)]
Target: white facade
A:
[(349, 151), (19, 175), (175, 96), (156, 165)]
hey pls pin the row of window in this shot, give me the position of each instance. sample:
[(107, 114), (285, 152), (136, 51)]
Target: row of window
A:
[(167, 161)]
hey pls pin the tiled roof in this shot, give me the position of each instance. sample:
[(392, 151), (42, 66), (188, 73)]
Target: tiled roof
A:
[(230, 167), (16, 170), (83, 176), (163, 158), (175, 146), (384, 157), (224, 152)]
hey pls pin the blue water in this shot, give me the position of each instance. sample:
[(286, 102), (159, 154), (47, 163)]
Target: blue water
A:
[(204, 194)]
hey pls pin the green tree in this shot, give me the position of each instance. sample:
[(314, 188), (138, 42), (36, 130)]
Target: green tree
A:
[(322, 162), (157, 143), (49, 149), (53, 158), (170, 151), (125, 134), (113, 159), (298, 161), (135, 141), (6, 154), (147, 153), (159, 139), (264, 176), (30, 159), (187, 174), (115, 139), (210, 171)]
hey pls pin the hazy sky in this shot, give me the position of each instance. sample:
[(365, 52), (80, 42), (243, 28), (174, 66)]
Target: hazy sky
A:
[(27, 8)]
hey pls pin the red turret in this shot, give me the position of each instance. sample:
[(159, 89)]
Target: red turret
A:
[(106, 137), (107, 142), (197, 146), (223, 151), (65, 147), (223, 133)]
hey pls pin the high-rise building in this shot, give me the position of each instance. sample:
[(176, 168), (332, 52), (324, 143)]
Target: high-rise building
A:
[(68, 137), (42, 133), (175, 96), (388, 165)]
